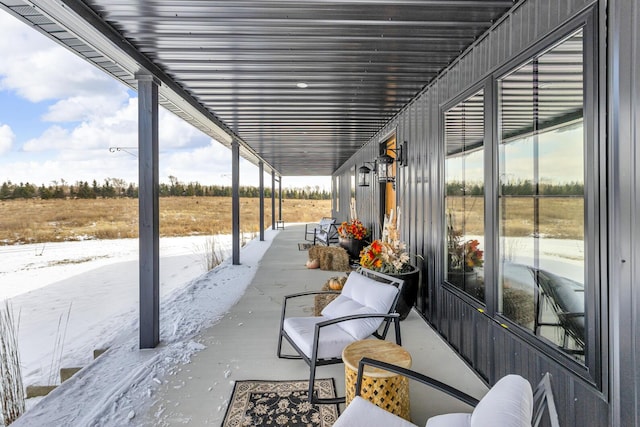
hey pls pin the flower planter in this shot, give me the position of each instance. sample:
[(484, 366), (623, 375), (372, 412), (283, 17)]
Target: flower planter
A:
[(352, 246)]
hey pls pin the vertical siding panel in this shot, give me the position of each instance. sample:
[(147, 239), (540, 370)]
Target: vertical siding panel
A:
[(492, 350), (624, 246)]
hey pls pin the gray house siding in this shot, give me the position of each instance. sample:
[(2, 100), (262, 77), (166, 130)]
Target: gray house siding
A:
[(611, 395)]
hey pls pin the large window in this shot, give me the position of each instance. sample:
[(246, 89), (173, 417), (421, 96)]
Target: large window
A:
[(464, 203), (541, 204)]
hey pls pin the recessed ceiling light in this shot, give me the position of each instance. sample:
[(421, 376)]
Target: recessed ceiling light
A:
[(302, 85)]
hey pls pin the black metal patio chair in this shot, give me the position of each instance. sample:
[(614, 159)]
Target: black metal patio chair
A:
[(365, 308)]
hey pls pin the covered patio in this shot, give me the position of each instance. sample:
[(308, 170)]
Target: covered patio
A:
[(242, 346), (485, 121)]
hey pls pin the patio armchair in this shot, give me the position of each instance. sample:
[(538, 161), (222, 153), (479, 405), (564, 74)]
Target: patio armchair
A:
[(365, 308), (325, 231), (509, 403)]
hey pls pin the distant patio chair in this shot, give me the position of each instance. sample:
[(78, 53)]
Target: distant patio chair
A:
[(325, 231), (367, 303), (509, 403)]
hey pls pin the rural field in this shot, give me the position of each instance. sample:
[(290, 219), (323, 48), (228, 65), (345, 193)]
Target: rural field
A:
[(37, 221), (557, 217)]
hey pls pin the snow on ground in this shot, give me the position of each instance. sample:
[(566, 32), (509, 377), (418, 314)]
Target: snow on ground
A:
[(95, 284)]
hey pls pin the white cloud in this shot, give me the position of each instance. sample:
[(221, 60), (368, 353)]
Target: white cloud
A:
[(113, 127), (6, 138), (38, 69), (86, 107), (210, 164), (90, 113)]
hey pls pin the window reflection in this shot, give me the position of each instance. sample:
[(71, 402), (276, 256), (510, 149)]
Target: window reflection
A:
[(464, 204), (541, 202)]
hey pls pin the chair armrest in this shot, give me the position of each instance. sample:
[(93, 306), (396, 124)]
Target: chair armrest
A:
[(328, 322), (302, 294), (416, 376), (306, 227)]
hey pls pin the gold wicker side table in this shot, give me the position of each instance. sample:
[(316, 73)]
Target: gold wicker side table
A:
[(384, 389)]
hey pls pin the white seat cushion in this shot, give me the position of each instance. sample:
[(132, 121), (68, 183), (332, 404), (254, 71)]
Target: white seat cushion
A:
[(361, 295), (450, 420), (509, 403), (332, 339), (362, 413)]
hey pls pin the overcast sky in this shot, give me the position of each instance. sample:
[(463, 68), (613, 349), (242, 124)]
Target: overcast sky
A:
[(59, 115)]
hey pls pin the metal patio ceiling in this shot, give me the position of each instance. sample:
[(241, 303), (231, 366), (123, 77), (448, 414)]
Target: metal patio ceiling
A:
[(236, 65)]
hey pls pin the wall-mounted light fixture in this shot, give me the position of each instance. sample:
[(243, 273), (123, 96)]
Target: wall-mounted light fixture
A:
[(385, 162), (364, 174)]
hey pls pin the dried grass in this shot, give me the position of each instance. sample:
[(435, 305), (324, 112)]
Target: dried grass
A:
[(12, 396), (559, 217), (37, 221), (211, 255)]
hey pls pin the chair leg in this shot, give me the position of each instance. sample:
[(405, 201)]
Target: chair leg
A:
[(285, 356), (280, 344), (313, 396)]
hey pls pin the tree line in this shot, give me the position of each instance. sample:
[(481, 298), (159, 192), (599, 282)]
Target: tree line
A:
[(118, 188), (517, 188)]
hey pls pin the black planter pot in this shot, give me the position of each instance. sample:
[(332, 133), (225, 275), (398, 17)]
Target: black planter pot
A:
[(409, 293), (352, 246), (464, 280)]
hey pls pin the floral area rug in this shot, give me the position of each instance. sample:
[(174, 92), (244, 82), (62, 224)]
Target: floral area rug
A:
[(280, 403)]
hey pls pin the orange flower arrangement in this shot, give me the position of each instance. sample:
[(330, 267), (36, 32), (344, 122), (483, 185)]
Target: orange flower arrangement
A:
[(353, 229), (386, 257), (464, 255), (388, 254)]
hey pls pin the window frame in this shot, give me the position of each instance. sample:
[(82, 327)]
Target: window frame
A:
[(591, 370), (595, 201), (467, 94)]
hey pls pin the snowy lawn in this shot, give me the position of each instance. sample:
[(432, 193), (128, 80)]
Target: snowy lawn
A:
[(74, 297)]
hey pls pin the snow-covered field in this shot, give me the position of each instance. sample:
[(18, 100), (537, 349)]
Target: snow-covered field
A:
[(74, 297)]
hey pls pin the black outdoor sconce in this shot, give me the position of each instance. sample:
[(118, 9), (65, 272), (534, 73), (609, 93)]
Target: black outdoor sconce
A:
[(364, 174), (382, 166), (385, 162)]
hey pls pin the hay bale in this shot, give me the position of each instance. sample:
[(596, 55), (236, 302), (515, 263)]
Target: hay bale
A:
[(332, 258), (314, 252)]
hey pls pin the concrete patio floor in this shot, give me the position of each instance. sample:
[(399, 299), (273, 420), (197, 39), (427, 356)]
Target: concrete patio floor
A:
[(242, 346)]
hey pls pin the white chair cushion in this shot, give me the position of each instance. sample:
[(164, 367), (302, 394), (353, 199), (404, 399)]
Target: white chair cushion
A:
[(509, 403), (369, 292), (450, 420), (362, 413), (361, 295), (340, 306), (332, 339), (359, 329)]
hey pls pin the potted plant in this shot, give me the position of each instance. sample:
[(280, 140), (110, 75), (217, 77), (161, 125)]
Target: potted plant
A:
[(388, 255), (464, 257), (351, 236)]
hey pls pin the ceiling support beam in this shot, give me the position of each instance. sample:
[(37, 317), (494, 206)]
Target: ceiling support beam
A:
[(235, 200), (261, 190), (280, 199), (148, 206), (273, 200)]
